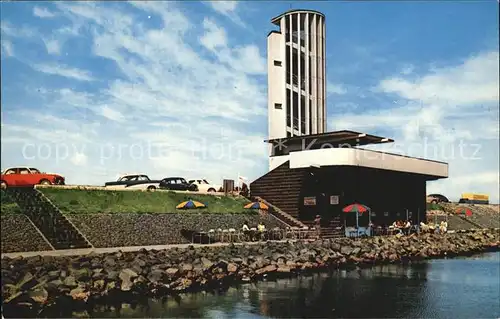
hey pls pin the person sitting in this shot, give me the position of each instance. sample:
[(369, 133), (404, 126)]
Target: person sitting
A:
[(246, 230), (261, 229), (407, 227), (443, 227), (423, 227)]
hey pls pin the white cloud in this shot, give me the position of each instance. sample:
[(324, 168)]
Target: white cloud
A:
[(168, 111), (64, 71), (79, 159), (332, 88), (112, 114), (42, 12), (437, 113), (228, 9), (245, 59), (473, 82), (214, 36), (7, 49), (53, 46)]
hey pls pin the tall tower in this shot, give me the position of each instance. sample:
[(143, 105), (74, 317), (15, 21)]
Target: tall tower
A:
[(297, 74)]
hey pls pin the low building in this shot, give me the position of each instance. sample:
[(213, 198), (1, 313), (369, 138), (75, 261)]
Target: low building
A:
[(322, 173)]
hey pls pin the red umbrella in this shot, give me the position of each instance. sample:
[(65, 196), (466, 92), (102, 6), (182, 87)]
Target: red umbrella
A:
[(355, 208)]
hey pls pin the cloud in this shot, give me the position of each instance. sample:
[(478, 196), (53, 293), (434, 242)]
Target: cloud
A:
[(79, 159), (214, 36), (112, 114), (7, 49), (241, 58), (156, 110), (472, 82), (332, 88), (64, 71), (228, 9), (449, 114), (42, 12), (53, 46)]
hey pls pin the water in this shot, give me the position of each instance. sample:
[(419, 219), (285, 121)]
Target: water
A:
[(449, 288)]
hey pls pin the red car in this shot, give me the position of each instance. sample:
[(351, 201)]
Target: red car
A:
[(28, 176)]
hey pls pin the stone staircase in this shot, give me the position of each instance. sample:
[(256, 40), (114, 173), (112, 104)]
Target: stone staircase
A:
[(281, 215), (332, 230), (57, 229)]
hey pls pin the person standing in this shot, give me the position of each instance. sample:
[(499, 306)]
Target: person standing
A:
[(317, 225)]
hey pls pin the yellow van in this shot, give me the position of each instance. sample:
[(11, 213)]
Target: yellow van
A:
[(471, 198)]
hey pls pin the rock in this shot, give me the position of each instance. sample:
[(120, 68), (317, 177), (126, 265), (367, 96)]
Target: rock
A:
[(126, 276), (346, 250), (172, 271), (284, 269), (206, 262), (232, 268), (79, 293), (54, 274), (266, 269), (70, 281), (155, 276), (99, 284), (40, 295), (187, 267)]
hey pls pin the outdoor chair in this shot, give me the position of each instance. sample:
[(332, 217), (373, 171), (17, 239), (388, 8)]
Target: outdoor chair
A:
[(233, 234), (212, 236), (225, 235), (304, 232), (276, 233), (295, 231)]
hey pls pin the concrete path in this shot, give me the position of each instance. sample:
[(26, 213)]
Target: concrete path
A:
[(86, 251)]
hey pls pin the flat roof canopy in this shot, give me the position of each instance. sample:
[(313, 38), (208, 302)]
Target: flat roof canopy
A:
[(336, 139)]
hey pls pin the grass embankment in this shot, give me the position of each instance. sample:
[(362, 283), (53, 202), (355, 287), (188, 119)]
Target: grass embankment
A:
[(8, 205), (432, 206), (77, 201)]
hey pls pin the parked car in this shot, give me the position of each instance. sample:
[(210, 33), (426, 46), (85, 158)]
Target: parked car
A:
[(205, 186), (28, 176), (177, 184), (437, 198), (134, 181)]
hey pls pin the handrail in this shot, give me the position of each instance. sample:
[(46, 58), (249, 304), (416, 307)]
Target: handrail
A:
[(280, 211)]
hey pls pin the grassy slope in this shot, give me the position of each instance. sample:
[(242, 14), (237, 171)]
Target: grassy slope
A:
[(107, 201), (8, 205)]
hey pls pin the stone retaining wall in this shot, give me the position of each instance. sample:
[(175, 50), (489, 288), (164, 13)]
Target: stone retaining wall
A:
[(19, 235), (55, 286), (119, 230)]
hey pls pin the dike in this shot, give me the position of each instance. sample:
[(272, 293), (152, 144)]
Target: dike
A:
[(57, 286)]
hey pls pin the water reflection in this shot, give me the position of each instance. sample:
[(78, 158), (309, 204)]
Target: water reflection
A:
[(458, 288)]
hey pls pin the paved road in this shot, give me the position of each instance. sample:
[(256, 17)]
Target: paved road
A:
[(86, 251)]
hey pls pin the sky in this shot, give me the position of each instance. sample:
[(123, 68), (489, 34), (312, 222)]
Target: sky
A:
[(92, 90)]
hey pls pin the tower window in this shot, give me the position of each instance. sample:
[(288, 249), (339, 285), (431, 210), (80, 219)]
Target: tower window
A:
[(278, 106), (277, 63)]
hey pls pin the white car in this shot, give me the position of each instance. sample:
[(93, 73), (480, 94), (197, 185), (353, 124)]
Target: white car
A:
[(205, 186), (134, 181)]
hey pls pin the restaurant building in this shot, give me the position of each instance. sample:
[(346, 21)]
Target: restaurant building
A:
[(322, 173)]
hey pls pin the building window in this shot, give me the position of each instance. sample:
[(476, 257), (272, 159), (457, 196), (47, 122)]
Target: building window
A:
[(277, 63), (288, 109), (278, 106), (288, 134)]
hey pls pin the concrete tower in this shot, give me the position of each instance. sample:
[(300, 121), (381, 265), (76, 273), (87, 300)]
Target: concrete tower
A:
[(297, 74)]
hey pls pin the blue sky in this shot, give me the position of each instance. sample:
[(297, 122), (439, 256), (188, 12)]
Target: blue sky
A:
[(93, 90)]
